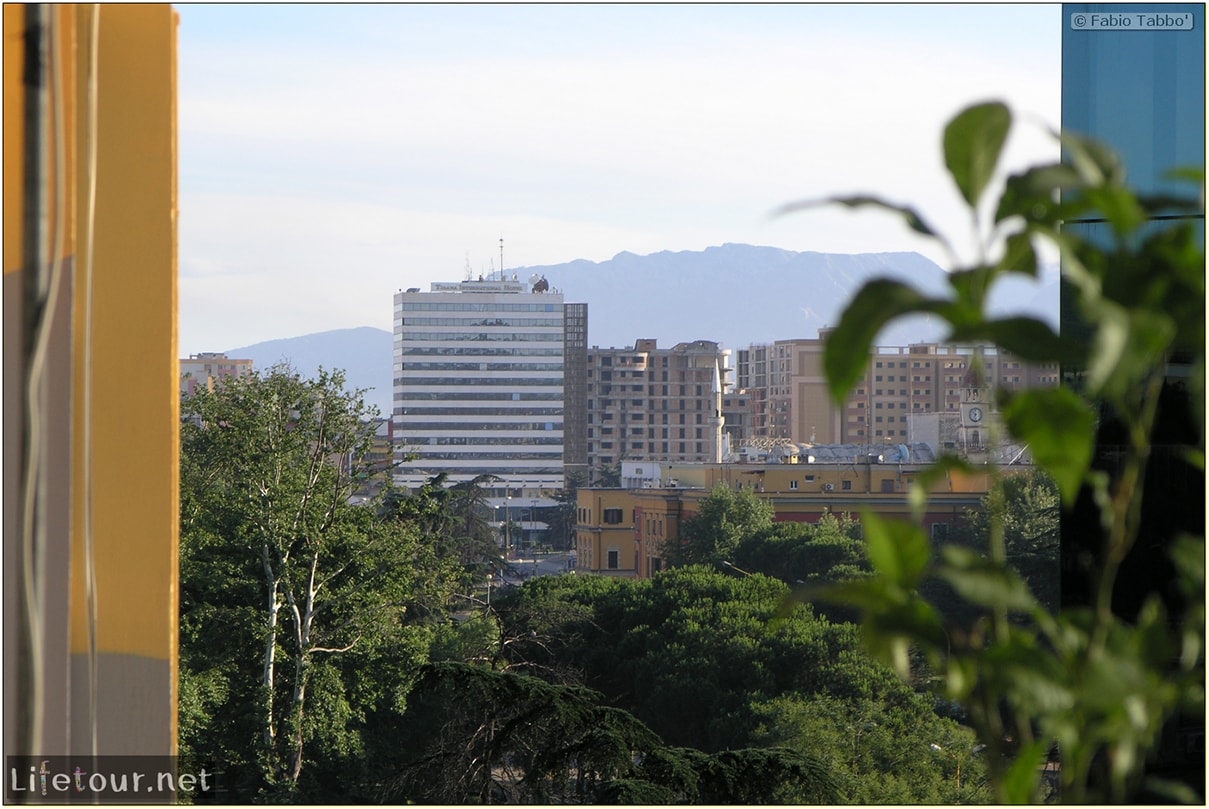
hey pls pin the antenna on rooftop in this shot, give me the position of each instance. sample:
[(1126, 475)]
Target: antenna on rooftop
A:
[(469, 272), (501, 258)]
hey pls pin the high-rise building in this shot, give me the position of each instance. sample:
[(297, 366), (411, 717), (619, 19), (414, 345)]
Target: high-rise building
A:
[(479, 382), (651, 403), (575, 388)]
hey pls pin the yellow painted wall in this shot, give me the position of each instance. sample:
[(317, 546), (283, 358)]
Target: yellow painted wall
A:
[(595, 536), (115, 405), (881, 488)]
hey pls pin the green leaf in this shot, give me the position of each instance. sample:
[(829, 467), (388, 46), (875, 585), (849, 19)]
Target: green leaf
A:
[(971, 287), (909, 214), (879, 301), (869, 594), (940, 470), (1119, 206), (1128, 345), (916, 620), (1021, 783), (1031, 339), (899, 550), (1059, 428), (981, 581), (1033, 193), (972, 144), (1019, 255), (1095, 162)]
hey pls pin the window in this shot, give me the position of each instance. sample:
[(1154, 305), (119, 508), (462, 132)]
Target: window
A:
[(614, 559), (940, 532), (793, 485), (612, 516), (846, 485)]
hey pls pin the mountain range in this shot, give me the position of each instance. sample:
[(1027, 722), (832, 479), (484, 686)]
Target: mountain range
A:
[(734, 294)]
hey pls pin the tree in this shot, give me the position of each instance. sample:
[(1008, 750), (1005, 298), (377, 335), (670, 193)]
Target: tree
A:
[(697, 655), (1030, 514), (1097, 685), (830, 550), (608, 476), (279, 572), (483, 736), (455, 521), (712, 535), (563, 520), (880, 751)]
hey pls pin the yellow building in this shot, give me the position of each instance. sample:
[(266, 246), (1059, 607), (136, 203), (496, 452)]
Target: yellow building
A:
[(623, 532), (91, 383), (605, 532)]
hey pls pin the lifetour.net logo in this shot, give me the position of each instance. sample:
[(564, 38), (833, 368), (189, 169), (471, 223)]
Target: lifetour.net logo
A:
[(106, 780)]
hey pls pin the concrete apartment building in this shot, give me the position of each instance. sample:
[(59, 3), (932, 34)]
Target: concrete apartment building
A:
[(790, 398), (480, 383), (205, 368), (646, 402)]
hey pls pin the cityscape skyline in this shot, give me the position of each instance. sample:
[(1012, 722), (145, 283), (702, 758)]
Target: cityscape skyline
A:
[(330, 155)]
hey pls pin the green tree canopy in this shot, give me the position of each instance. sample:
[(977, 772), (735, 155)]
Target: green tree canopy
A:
[(723, 519), (283, 580)]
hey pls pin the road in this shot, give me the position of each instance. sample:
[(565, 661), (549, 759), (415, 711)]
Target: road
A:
[(541, 565)]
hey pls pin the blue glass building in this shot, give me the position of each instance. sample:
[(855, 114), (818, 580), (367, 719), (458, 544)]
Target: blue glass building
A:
[(1133, 76)]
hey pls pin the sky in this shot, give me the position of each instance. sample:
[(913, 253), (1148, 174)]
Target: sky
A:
[(331, 155)]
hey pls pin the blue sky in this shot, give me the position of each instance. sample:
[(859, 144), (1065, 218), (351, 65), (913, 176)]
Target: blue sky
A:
[(332, 154)]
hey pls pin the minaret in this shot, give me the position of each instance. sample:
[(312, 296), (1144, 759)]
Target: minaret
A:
[(716, 420)]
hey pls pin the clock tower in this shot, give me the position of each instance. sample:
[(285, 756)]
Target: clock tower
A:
[(975, 414)]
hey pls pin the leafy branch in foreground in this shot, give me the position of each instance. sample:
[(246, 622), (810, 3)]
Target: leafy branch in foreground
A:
[(1098, 686)]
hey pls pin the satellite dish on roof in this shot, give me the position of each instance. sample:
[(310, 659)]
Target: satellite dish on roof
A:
[(533, 279)]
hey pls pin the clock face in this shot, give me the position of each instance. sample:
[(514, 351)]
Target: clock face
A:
[(975, 414)]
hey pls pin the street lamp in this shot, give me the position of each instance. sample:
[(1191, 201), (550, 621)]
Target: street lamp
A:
[(735, 568), (957, 759)]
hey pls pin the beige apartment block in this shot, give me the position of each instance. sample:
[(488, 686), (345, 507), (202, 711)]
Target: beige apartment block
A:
[(651, 403), (907, 393)]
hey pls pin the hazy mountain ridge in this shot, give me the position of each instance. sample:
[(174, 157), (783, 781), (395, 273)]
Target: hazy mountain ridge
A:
[(741, 294), (364, 353), (734, 294)]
